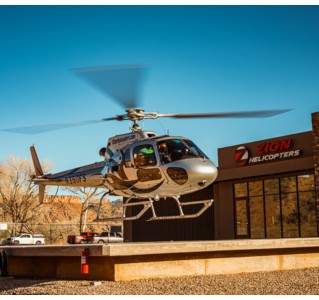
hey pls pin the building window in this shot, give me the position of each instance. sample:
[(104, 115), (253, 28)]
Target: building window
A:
[(256, 209), (277, 207), (272, 208), (307, 205), (241, 218), (240, 190), (241, 193)]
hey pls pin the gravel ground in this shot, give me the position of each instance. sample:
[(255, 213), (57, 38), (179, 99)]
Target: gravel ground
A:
[(294, 282)]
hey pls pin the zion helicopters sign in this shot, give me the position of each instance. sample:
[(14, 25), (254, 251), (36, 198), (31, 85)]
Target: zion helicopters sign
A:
[(266, 152)]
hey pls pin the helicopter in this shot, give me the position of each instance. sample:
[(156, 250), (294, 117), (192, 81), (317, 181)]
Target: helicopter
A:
[(139, 165)]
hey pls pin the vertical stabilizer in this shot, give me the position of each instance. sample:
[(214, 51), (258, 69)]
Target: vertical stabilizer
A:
[(36, 162), (38, 172)]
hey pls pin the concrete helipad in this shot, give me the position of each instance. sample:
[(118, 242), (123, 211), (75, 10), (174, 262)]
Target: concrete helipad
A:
[(128, 261)]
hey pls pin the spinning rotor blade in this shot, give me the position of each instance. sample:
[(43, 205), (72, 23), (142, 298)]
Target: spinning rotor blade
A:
[(50, 127), (141, 115), (243, 114), (122, 83)]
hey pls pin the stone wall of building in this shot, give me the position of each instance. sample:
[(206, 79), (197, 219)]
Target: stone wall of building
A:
[(315, 134)]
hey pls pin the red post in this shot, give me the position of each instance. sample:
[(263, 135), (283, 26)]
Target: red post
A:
[(85, 261)]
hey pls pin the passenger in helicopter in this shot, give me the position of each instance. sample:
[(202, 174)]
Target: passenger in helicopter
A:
[(163, 153)]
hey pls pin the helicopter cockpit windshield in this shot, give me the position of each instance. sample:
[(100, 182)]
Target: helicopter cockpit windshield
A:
[(178, 149)]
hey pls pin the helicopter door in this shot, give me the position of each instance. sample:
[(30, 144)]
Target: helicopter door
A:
[(146, 163), (143, 166), (144, 156)]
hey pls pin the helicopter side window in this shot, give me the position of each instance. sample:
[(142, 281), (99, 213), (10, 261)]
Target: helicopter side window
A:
[(144, 156)]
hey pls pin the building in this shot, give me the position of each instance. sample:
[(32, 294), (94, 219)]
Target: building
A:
[(265, 189)]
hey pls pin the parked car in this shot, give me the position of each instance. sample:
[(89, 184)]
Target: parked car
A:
[(26, 239), (108, 237), (82, 238)]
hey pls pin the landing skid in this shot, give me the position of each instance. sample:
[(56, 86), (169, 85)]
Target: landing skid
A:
[(206, 205), (148, 204)]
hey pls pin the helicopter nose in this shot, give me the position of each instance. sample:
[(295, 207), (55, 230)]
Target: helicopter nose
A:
[(205, 173), (198, 172)]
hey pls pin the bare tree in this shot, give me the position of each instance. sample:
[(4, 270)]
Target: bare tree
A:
[(18, 195), (88, 195), (20, 206)]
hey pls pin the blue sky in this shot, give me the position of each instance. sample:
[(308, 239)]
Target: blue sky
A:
[(201, 58)]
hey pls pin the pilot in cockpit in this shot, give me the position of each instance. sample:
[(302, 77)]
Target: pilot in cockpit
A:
[(163, 153)]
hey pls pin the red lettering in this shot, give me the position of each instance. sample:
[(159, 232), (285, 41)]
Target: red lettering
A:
[(274, 147), (260, 150), (266, 148), (285, 145)]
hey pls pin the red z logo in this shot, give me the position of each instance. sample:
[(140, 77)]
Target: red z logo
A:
[(241, 156)]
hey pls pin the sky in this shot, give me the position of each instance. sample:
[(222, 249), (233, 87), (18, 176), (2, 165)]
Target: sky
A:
[(200, 58)]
